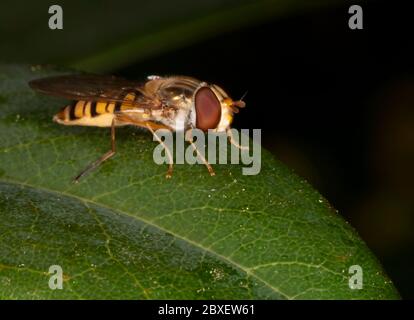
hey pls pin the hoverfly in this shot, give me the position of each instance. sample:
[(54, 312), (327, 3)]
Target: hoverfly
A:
[(176, 103)]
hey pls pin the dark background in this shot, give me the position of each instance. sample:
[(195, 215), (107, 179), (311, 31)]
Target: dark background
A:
[(336, 105)]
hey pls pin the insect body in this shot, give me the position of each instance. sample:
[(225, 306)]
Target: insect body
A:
[(174, 103)]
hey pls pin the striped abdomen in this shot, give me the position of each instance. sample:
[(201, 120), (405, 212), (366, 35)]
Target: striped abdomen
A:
[(92, 113)]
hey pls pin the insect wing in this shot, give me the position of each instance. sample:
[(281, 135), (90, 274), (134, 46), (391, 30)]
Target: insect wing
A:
[(91, 88)]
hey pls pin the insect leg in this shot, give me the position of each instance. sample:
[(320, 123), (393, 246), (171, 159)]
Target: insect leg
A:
[(233, 142), (106, 156), (168, 152), (209, 167)]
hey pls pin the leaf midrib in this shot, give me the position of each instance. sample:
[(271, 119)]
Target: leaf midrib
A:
[(225, 259)]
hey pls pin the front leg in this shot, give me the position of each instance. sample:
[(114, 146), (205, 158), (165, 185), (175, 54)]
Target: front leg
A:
[(189, 138)]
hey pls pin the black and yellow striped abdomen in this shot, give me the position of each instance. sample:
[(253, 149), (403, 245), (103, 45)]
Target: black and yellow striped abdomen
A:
[(87, 109), (92, 113)]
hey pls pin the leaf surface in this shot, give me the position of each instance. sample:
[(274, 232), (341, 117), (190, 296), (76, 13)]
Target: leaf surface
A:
[(127, 232)]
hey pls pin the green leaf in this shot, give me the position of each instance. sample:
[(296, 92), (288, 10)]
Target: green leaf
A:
[(127, 232)]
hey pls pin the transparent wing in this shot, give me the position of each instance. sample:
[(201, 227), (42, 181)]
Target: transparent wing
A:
[(93, 88)]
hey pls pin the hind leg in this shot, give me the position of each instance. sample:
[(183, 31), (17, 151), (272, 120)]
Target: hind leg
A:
[(104, 157)]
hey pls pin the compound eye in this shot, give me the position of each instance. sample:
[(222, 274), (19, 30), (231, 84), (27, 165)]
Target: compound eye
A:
[(208, 109)]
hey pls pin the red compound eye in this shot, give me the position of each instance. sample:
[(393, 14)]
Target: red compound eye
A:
[(208, 109)]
